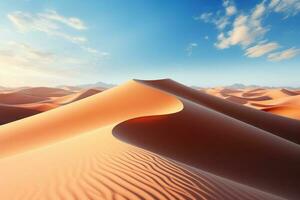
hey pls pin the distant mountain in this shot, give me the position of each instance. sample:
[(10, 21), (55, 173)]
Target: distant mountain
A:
[(242, 86), (97, 85), (237, 86)]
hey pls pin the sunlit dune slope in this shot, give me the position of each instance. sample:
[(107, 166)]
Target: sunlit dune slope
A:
[(90, 113), (70, 153)]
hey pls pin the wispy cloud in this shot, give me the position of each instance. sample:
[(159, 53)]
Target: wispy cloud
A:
[(72, 22), (23, 64), (229, 7), (190, 48), (97, 53), (261, 49), (283, 55), (23, 55), (288, 7), (206, 17), (246, 29), (47, 23), (54, 24)]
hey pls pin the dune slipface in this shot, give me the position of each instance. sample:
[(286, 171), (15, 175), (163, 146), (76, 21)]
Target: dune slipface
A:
[(217, 139), (70, 152)]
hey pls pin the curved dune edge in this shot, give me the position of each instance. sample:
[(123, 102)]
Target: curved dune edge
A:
[(110, 107), (92, 164), (196, 143)]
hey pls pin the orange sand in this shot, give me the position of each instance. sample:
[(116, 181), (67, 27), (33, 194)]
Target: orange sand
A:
[(174, 144), (282, 102)]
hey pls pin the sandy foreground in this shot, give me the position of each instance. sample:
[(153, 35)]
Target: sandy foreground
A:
[(145, 140)]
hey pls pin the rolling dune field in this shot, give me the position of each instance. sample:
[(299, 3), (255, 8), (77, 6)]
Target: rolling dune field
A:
[(146, 140)]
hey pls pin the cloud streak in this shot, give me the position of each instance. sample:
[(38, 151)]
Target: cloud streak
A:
[(47, 23), (261, 49), (72, 22), (190, 48), (283, 55), (287, 7)]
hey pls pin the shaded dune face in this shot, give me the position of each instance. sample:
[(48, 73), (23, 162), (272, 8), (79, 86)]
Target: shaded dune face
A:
[(13, 113), (213, 141), (280, 126)]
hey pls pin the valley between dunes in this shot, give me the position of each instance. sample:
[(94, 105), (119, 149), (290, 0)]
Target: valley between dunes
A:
[(149, 140)]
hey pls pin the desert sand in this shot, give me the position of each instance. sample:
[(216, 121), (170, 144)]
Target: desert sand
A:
[(148, 140), (279, 101), (16, 104)]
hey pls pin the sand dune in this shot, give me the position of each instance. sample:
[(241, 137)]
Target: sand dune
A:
[(20, 103), (14, 98), (192, 148), (13, 113), (218, 143), (282, 102), (46, 92)]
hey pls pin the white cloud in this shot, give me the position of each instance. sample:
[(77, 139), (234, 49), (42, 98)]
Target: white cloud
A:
[(52, 24), (245, 31), (288, 7), (23, 60), (283, 55), (42, 22), (245, 28), (261, 49), (72, 22), (23, 55), (259, 11), (221, 22), (96, 52), (206, 17), (190, 48), (230, 8)]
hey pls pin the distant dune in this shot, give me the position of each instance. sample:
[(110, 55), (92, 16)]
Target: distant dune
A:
[(149, 140), (284, 102), (16, 104)]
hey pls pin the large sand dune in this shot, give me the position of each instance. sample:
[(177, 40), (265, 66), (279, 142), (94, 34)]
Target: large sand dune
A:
[(176, 143)]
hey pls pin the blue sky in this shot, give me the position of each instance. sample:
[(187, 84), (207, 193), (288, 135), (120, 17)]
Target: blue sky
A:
[(196, 42)]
